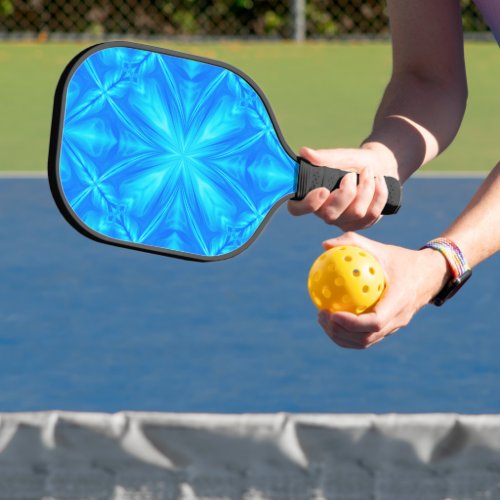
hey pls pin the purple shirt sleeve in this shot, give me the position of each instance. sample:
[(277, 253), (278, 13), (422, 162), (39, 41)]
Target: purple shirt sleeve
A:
[(490, 9)]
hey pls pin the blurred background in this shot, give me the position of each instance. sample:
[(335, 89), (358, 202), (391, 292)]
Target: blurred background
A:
[(324, 91), (283, 19)]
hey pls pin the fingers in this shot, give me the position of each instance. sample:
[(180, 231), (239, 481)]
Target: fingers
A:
[(347, 207), (335, 205), (365, 208), (339, 337), (356, 204), (364, 195), (316, 198), (355, 332), (368, 323), (380, 196), (310, 204), (352, 238)]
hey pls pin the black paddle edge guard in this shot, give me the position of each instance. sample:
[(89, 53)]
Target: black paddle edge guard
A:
[(313, 177)]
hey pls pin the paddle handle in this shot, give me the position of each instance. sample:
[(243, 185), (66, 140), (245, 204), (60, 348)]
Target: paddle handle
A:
[(312, 177)]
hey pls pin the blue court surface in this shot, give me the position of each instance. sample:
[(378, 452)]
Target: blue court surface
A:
[(91, 327)]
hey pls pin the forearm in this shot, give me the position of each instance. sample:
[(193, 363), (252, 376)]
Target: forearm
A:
[(477, 230), (416, 120), (424, 103)]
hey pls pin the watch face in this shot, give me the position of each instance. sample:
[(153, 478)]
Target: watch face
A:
[(451, 288)]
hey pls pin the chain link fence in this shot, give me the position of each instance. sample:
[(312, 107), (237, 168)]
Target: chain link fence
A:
[(286, 19)]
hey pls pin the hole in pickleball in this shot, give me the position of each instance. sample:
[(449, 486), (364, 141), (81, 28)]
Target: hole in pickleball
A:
[(317, 276), (366, 289), (356, 273), (339, 281), (379, 287), (327, 293), (346, 299), (372, 270), (360, 309), (348, 258), (362, 254)]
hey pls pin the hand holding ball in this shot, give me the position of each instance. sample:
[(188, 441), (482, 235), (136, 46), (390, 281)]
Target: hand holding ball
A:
[(346, 278)]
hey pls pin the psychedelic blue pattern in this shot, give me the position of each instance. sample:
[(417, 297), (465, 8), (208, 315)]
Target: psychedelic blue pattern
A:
[(169, 152)]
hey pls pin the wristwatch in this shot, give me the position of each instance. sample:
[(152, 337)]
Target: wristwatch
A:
[(460, 270)]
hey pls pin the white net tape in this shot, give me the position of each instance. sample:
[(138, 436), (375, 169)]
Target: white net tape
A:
[(160, 456)]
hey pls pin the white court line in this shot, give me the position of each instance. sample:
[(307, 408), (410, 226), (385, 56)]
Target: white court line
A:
[(455, 174), (23, 174)]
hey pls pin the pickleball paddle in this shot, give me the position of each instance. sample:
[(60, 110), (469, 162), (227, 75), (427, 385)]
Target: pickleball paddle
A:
[(171, 153)]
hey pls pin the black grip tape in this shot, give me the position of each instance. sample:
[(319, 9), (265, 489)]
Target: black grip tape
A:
[(312, 177)]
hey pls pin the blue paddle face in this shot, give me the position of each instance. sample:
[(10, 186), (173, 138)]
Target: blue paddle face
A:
[(162, 152)]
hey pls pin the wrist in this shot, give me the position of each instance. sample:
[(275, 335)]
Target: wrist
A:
[(457, 266), (437, 272)]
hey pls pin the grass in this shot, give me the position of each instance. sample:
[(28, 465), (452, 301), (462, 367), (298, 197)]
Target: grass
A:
[(323, 94)]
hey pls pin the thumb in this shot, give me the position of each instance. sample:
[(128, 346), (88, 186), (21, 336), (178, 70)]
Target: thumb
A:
[(312, 155), (348, 158), (349, 238)]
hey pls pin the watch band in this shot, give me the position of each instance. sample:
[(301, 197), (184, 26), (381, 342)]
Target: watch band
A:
[(458, 265)]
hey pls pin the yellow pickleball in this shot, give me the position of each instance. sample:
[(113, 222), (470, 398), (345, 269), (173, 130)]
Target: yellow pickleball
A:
[(346, 278)]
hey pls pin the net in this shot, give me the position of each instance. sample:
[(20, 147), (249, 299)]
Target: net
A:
[(153, 456)]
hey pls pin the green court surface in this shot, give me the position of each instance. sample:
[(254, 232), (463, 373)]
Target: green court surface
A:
[(323, 94)]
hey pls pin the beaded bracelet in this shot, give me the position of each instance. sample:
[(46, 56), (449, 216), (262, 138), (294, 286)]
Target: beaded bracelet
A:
[(452, 254)]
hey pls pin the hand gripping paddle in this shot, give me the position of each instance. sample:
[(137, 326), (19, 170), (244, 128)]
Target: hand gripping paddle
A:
[(171, 153)]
